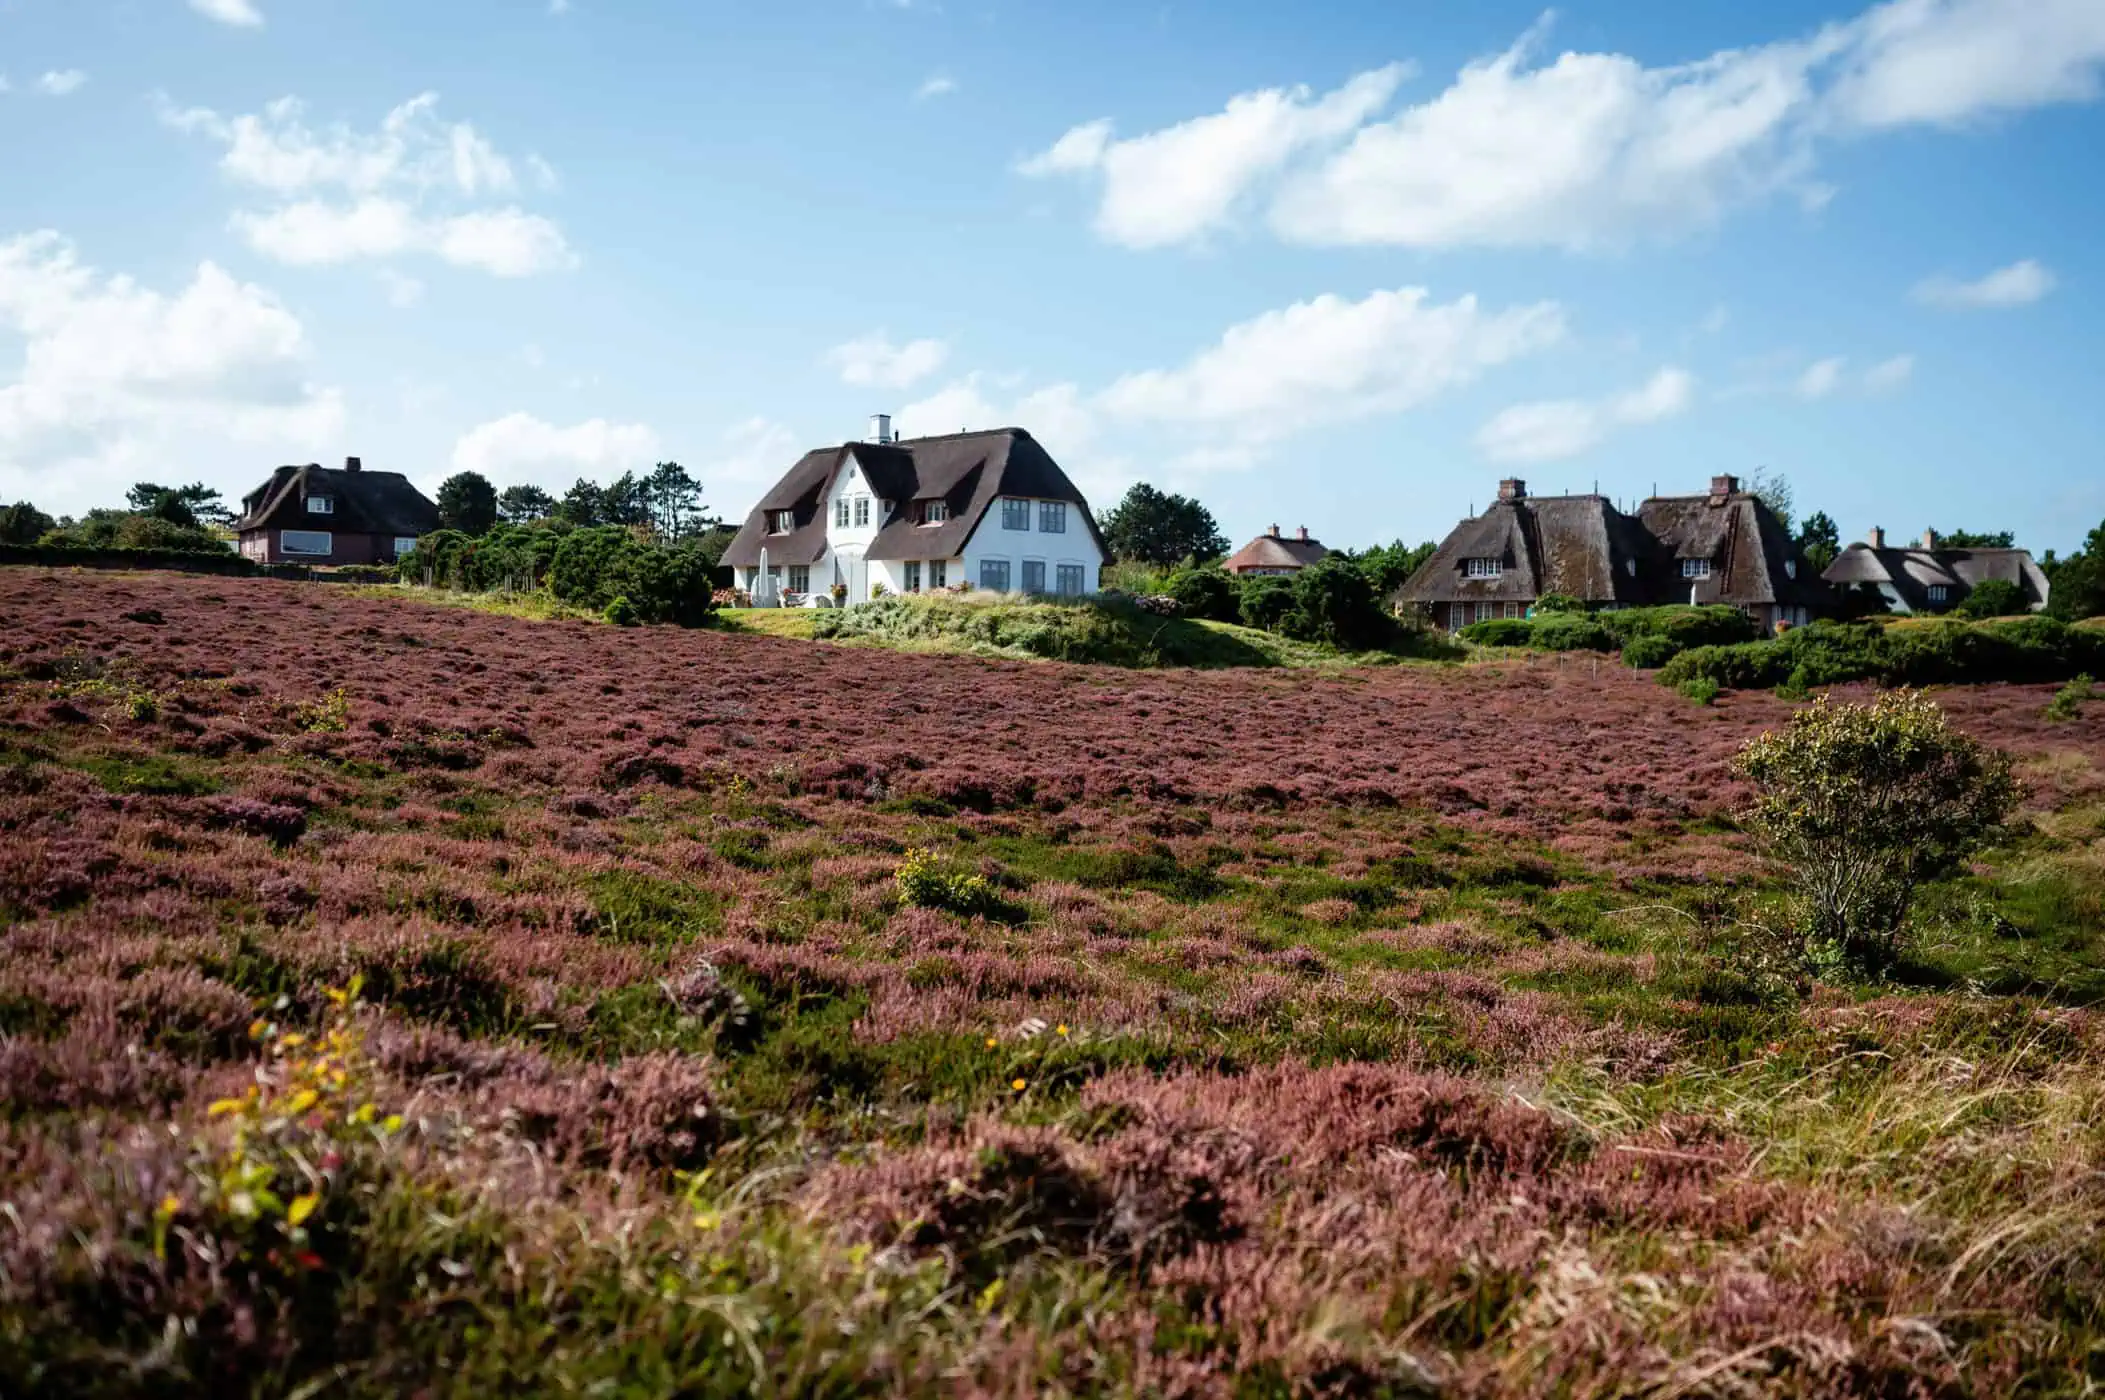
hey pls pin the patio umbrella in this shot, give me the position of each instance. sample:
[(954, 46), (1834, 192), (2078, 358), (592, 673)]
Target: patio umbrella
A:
[(763, 590)]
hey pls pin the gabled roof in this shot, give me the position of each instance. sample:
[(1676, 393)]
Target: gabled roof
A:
[(366, 503), (968, 471), (1269, 551), (1913, 572), (1752, 556), (1580, 545)]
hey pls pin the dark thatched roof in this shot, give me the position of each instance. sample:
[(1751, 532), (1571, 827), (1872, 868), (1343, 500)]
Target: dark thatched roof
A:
[(1580, 545), (968, 471), (366, 503), (1913, 572), (1753, 559)]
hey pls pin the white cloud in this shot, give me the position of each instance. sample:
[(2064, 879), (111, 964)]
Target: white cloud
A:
[(752, 453), (874, 361), (1175, 184), (1583, 150), (241, 13), (940, 85), (1328, 360), (1820, 379), (2019, 284), (62, 83), (416, 185), (1888, 375), (116, 377), (520, 449), (1555, 429)]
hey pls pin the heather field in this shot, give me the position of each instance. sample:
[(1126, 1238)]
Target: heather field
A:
[(411, 1000)]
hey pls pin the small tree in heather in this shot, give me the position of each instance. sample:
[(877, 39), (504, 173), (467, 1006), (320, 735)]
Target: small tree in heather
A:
[(1861, 803)]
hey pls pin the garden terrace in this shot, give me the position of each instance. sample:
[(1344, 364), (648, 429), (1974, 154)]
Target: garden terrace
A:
[(1380, 1031)]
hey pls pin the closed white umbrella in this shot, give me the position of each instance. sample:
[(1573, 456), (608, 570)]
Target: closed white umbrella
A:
[(763, 590)]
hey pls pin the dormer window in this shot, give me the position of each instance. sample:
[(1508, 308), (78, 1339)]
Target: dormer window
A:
[(1630, 567), (1695, 568), (1484, 568), (321, 505), (934, 512), (781, 522), (1938, 593)]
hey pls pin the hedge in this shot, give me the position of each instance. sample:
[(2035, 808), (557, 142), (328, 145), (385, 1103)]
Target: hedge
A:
[(189, 561), (2030, 649)]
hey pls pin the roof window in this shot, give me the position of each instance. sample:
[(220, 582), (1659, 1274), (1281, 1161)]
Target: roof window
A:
[(1483, 568)]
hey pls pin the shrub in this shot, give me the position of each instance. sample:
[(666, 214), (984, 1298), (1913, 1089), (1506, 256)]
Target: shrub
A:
[(1650, 652), (1207, 591), (2028, 649), (924, 882), (1702, 690), (1501, 632), (2070, 698), (1571, 632), (1334, 603), (1264, 601), (1859, 804), (592, 568), (621, 612), (1558, 603), (1995, 597)]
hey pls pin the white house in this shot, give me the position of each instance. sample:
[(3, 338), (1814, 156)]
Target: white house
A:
[(990, 510)]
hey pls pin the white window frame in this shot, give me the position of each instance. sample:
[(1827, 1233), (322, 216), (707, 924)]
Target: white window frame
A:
[(1457, 616), (404, 544), (938, 573), (1484, 568), (1695, 568), (286, 546), (781, 522), (840, 514), (934, 512), (1016, 514), (1052, 517), (862, 512), (1063, 574), (913, 576), (800, 578), (321, 505), (986, 566)]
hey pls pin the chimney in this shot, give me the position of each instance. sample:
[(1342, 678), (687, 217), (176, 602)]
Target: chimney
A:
[(1512, 489), (1721, 487), (880, 427), (1273, 532), (1877, 538), (1929, 539), (1302, 534), (352, 464)]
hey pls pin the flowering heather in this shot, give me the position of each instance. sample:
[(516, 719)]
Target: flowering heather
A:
[(749, 1015)]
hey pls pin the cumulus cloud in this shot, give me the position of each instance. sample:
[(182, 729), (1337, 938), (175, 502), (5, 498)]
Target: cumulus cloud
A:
[(1580, 150), (240, 13), (62, 83), (116, 376), (415, 185), (874, 361), (1554, 429), (2019, 284), (520, 449)]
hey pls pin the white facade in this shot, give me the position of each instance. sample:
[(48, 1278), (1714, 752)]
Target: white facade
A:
[(1060, 560)]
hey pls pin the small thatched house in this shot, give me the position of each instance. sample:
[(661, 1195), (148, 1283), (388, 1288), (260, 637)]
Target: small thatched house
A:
[(319, 515), (1932, 576), (1274, 553)]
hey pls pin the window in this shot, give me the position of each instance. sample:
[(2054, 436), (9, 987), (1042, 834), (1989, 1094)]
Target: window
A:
[(1486, 611), (840, 513), (1052, 517), (1015, 514), (321, 505), (913, 576), (994, 575), (1069, 578), (1516, 610), (1630, 567), (1938, 593), (934, 512), (938, 573), (781, 522), (1034, 575), (404, 544), (1457, 616), (1484, 568), (862, 511), (1695, 568), (306, 541), (800, 578)]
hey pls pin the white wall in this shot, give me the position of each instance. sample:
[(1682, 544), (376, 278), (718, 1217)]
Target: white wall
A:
[(1075, 545)]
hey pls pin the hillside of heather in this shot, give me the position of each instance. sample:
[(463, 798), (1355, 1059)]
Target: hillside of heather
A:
[(407, 1000)]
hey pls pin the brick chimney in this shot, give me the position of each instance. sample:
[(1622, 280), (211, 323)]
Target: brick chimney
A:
[(352, 464), (1512, 489), (1273, 532), (1929, 539), (1877, 538), (1723, 487), (1302, 534)]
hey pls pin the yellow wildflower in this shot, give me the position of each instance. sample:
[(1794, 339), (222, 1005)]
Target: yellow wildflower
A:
[(1017, 1085)]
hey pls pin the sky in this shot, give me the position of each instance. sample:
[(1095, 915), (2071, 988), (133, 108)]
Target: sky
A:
[(1340, 266)]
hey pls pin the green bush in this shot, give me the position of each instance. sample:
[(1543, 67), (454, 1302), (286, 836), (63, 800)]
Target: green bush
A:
[(1687, 625), (2030, 649), (1500, 632), (1996, 597), (1206, 591), (1702, 690), (925, 883), (2070, 698), (1264, 601), (1558, 603), (1572, 632), (114, 529), (1650, 652), (621, 612), (1859, 804), (1336, 605), (593, 567)]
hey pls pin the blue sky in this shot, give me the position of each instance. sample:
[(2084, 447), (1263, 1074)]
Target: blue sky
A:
[(1339, 266)]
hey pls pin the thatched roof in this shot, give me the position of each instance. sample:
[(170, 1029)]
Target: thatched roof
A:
[(366, 503), (1273, 550), (1580, 545), (1913, 572)]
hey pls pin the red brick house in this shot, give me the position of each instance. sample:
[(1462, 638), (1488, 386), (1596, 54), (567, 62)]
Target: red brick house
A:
[(318, 515)]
